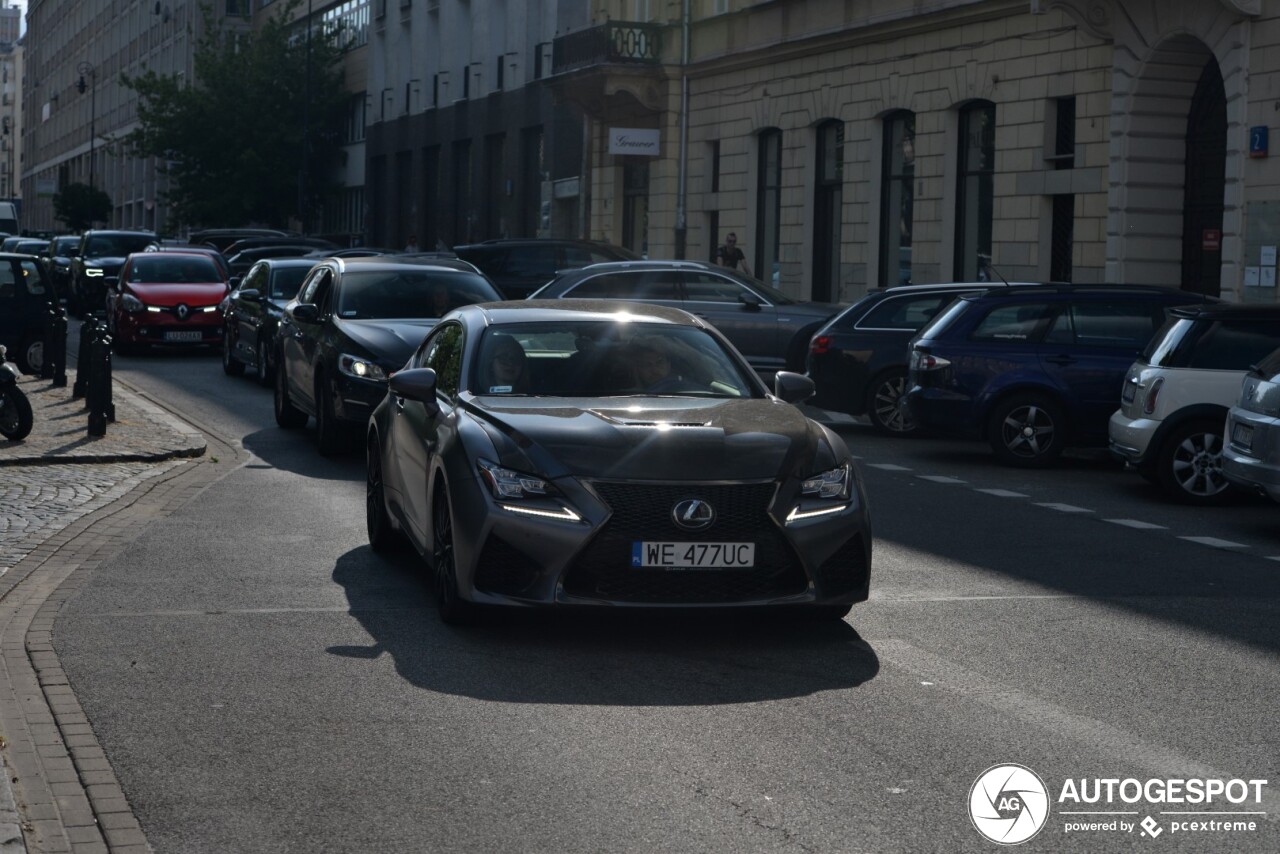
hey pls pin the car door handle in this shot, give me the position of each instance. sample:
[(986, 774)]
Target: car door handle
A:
[(399, 403), (1061, 360)]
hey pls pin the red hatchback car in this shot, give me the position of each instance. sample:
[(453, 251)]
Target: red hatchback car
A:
[(167, 298)]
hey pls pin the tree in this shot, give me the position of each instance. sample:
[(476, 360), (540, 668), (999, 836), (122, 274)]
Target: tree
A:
[(233, 140), (80, 206)]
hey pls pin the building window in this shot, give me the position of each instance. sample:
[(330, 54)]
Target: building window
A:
[(462, 218), (354, 131), (535, 221), (1064, 133), (827, 201), (768, 205), (635, 201), (897, 195), (975, 192), (713, 152), (1064, 218)]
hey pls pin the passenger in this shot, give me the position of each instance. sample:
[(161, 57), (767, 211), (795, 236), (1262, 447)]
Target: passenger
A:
[(655, 368), (508, 370)]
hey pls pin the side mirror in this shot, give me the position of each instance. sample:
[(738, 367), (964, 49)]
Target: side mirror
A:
[(305, 313), (416, 384), (793, 388), (749, 301), (234, 282), (250, 295)]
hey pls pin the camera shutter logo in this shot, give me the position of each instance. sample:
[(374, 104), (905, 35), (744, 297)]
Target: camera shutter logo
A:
[(1009, 804)]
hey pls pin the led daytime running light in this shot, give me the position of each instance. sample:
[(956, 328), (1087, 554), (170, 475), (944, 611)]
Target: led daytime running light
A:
[(564, 513), (797, 514)]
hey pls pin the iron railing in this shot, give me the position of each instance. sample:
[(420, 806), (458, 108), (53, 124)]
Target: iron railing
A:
[(614, 42)]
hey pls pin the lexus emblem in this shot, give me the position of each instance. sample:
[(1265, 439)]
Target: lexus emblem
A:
[(693, 514), (182, 311)]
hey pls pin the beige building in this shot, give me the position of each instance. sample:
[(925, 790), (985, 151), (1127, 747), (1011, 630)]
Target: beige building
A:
[(851, 145)]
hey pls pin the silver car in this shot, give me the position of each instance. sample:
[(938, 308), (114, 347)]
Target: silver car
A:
[(1251, 455)]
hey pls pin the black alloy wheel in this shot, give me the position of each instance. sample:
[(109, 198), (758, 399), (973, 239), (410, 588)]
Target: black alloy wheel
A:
[(885, 404), (231, 366), (262, 368), (332, 435), (454, 611), (16, 418), (382, 537), (30, 356), (288, 416), (1027, 431), (1190, 465)]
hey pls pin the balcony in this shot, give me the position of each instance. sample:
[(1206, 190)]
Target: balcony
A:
[(615, 66), (614, 43)]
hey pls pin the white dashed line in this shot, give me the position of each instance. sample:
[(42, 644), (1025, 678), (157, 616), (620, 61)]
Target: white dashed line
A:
[(887, 467), (1214, 542), (938, 478), (1003, 493), (1134, 523), (1064, 508), (1273, 557)]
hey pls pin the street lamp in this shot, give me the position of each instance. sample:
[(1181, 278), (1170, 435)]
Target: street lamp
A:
[(86, 68)]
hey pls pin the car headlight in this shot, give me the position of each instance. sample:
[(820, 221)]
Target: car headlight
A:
[(131, 304), (829, 484), (94, 271), (361, 368), (509, 484)]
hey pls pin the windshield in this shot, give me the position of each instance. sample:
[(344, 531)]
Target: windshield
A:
[(409, 293), (117, 244), (607, 358), (172, 270), (63, 246), (285, 281)]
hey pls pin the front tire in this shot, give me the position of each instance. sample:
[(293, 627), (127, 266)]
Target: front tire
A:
[(1189, 467), (1027, 431), (30, 356), (262, 371), (382, 536), (332, 436), (288, 416), (885, 404), (231, 366), (454, 610)]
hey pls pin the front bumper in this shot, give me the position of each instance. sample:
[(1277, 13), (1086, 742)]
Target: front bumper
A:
[(356, 399), (146, 327), (510, 558)]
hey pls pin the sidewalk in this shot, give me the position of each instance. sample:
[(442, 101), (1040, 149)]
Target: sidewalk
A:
[(58, 792), (141, 432)]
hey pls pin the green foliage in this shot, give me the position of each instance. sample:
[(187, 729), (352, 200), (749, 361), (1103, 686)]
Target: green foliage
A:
[(80, 206), (233, 141)]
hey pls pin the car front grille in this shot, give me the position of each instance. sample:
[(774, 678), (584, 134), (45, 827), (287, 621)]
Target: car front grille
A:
[(505, 570), (642, 512)]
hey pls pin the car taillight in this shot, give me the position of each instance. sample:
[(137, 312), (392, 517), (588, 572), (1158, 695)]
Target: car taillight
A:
[(1149, 403), (921, 361), (820, 344)]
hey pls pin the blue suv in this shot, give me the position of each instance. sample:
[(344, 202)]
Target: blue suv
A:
[(1033, 370)]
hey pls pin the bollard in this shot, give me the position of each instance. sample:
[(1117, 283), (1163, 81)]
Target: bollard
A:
[(59, 355), (98, 386), (82, 360), (46, 363)]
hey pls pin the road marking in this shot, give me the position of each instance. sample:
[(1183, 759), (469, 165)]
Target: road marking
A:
[(1064, 508), (1134, 523), (887, 467), (938, 478), (1273, 557), (907, 598), (1119, 745), (1214, 542), (1003, 493)]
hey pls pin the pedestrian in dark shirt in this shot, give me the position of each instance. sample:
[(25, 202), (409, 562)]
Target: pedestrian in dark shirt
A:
[(729, 255)]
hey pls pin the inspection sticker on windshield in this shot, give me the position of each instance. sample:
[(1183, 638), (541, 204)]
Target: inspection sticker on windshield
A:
[(694, 555)]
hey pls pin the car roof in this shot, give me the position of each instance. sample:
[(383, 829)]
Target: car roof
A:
[(1228, 311), (287, 262), (536, 241), (1060, 289), (528, 311)]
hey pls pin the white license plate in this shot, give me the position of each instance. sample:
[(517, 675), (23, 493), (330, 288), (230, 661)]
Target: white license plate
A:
[(694, 555), (1129, 391), (183, 336), (1242, 435)]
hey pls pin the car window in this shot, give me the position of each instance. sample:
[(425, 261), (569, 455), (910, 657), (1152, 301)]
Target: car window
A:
[(530, 262), (32, 277), (1233, 345), (255, 279), (286, 280), (907, 313), (442, 352), (409, 292), (1123, 323), (319, 279), (8, 282), (1018, 322), (633, 284), (709, 287)]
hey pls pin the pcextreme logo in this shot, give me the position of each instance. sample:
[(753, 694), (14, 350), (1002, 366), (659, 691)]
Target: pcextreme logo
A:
[(1009, 804)]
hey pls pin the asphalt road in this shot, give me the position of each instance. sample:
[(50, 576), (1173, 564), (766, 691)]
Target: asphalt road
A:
[(262, 682)]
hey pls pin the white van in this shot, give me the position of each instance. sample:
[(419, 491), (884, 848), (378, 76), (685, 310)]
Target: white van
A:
[(9, 217)]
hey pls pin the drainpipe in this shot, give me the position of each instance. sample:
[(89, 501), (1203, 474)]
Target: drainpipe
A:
[(682, 224)]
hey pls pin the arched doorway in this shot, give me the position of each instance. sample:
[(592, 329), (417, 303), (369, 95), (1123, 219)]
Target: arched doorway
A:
[(1204, 185)]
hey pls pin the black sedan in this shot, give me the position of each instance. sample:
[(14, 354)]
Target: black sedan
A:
[(768, 327), (594, 453), (253, 311), (353, 322)]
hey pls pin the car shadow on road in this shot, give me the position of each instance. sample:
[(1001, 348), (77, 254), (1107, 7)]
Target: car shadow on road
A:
[(628, 658), (295, 451)]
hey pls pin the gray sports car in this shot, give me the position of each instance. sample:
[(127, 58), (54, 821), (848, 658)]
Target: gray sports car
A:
[(603, 453)]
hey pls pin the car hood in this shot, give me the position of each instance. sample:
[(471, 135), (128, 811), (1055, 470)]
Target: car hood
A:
[(106, 262), (204, 293), (651, 438), (389, 342)]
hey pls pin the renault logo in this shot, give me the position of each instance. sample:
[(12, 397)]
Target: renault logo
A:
[(693, 514), (182, 311)]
